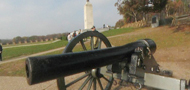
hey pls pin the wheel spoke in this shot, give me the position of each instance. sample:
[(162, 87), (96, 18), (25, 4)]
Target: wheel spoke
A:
[(83, 46), (85, 82), (90, 83), (76, 80), (108, 87), (99, 44), (61, 83), (92, 43), (94, 84), (106, 79), (100, 84)]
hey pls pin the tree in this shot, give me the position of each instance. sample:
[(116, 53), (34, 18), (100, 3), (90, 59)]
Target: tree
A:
[(33, 38), (159, 5), (131, 8), (119, 23), (169, 8), (174, 9), (17, 39), (24, 39), (128, 8)]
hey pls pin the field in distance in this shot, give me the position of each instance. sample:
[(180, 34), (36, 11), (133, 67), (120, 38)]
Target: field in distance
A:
[(169, 44)]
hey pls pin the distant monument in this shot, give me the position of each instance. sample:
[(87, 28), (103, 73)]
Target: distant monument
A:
[(155, 21), (88, 15)]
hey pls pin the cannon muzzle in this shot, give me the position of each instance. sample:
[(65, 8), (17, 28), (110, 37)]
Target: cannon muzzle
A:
[(44, 68)]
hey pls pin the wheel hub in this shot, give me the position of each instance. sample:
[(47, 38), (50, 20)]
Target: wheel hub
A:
[(96, 73)]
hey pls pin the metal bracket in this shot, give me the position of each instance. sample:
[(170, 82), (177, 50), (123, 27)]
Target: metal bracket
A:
[(136, 60), (133, 64)]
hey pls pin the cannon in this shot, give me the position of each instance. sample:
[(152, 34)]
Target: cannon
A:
[(131, 63)]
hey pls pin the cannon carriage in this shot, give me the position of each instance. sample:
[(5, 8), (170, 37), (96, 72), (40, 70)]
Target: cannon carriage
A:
[(131, 63)]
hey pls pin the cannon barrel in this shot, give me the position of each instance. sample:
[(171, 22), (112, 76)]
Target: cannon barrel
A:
[(44, 68)]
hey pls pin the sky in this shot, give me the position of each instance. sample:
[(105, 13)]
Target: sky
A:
[(43, 17)]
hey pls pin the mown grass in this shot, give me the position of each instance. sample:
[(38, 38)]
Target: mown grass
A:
[(9, 69), (163, 36), (27, 50), (9, 53), (16, 68), (118, 31), (27, 43)]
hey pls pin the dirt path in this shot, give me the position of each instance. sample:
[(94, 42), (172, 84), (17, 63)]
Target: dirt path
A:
[(176, 59), (19, 83)]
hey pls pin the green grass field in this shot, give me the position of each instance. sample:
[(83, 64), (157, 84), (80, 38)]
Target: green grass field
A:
[(163, 36), (9, 53), (118, 31), (27, 43), (9, 70)]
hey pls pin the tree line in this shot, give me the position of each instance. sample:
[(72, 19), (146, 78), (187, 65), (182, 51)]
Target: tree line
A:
[(34, 38), (136, 10)]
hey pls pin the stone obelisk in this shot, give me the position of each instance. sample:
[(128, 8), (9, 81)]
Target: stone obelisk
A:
[(88, 15)]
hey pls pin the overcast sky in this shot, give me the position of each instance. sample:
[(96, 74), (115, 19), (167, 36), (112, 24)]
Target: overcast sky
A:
[(42, 17)]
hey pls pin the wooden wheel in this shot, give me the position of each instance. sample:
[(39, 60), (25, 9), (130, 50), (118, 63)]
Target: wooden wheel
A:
[(90, 78)]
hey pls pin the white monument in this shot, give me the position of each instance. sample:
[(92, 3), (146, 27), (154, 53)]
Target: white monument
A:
[(88, 15)]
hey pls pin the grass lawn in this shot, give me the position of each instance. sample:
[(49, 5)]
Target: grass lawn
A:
[(27, 43), (9, 69), (118, 31), (163, 36), (9, 53), (13, 68)]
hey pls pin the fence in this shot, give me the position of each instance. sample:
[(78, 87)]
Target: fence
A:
[(179, 20)]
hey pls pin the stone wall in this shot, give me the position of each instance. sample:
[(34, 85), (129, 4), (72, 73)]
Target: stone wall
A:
[(135, 24)]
